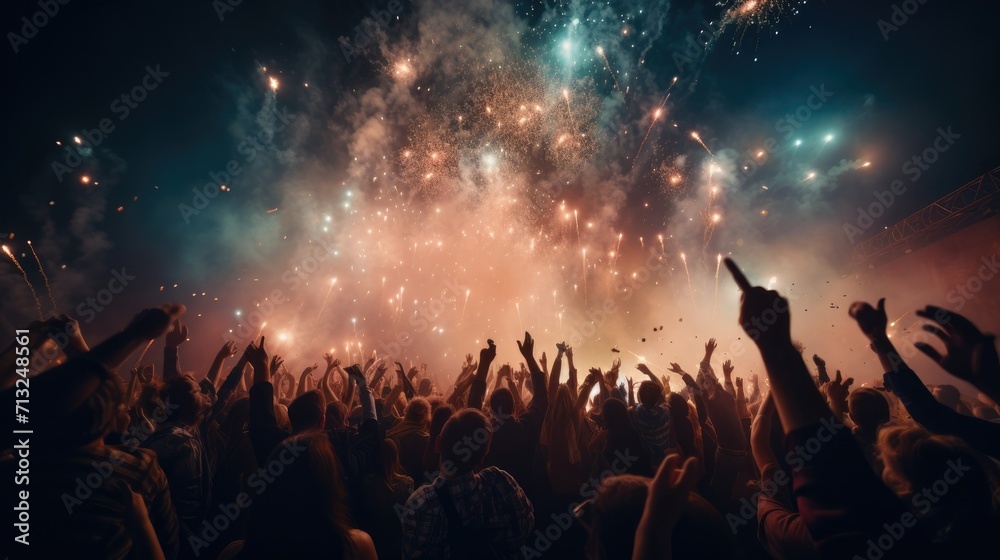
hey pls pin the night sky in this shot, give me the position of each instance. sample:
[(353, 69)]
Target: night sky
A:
[(888, 99)]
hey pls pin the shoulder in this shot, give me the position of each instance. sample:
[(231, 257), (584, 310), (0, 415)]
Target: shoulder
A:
[(364, 548), (493, 476)]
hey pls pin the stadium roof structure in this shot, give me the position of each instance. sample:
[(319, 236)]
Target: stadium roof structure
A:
[(973, 202)]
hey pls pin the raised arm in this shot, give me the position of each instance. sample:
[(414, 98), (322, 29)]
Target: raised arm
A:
[(149, 324), (478, 389), (227, 350), (171, 360), (571, 378)]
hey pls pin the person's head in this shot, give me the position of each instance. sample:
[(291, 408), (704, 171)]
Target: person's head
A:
[(650, 394), (305, 507), (868, 409), (74, 404), (236, 419), (208, 391), (440, 415), (424, 387), (613, 516), (307, 412), (502, 402), (392, 471), (336, 416), (464, 441), (184, 400), (916, 461), (948, 395), (616, 416), (418, 411)]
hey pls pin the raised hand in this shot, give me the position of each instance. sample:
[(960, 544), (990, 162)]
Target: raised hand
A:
[(631, 383), (488, 354), (468, 360), (354, 372), (763, 313), (505, 371), (644, 369), (824, 377), (331, 362), (544, 362), (276, 362), (309, 370), (872, 321), (561, 347), (569, 353), (228, 350), (727, 368), (676, 368), (739, 383), (527, 348), (616, 364), (668, 494), (710, 346), (838, 389), (257, 356), (177, 335), (970, 354), (153, 322)]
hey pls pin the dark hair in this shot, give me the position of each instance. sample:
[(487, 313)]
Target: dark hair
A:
[(465, 440), (868, 408), (75, 404), (650, 394), (303, 512), (392, 472), (501, 401), (176, 396), (623, 438), (417, 410), (336, 415), (307, 411)]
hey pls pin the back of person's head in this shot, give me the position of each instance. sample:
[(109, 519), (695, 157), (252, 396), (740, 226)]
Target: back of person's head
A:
[(424, 387), (417, 410), (281, 416), (392, 471), (948, 395), (73, 404), (868, 409), (307, 412), (614, 516), (464, 441), (650, 394), (438, 418), (336, 415), (436, 401), (961, 482), (502, 402), (305, 508), (616, 416), (236, 419), (183, 399)]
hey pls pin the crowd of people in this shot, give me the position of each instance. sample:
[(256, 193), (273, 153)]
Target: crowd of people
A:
[(246, 460)]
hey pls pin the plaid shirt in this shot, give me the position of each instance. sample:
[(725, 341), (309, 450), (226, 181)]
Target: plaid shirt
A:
[(490, 499)]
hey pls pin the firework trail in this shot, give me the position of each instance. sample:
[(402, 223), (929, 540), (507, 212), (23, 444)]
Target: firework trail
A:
[(24, 275), (688, 273), (48, 287), (607, 65), (323, 306), (697, 139), (718, 263)]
